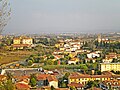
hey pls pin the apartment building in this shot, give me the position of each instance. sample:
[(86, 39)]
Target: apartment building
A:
[(109, 66)]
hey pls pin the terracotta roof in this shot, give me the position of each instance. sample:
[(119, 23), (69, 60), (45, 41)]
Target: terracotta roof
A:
[(100, 76), (22, 78), (62, 89), (75, 76), (20, 86), (116, 76), (51, 78), (112, 82), (74, 59), (20, 45), (58, 56), (42, 76), (107, 73), (2, 77), (78, 85)]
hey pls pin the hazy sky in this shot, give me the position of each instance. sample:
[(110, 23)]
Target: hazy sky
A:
[(36, 16)]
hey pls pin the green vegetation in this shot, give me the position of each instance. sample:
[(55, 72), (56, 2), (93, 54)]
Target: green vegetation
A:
[(7, 84), (33, 80), (64, 80), (50, 67)]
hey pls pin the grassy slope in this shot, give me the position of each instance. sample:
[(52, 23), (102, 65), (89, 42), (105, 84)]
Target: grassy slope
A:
[(11, 56)]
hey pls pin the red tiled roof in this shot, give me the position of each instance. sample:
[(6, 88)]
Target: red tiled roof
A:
[(20, 45), (78, 85), (51, 78), (112, 82), (2, 77), (107, 73), (75, 76), (62, 89), (42, 76), (20, 86)]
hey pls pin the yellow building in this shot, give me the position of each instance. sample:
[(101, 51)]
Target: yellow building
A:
[(22, 42), (27, 41), (57, 45), (73, 61), (84, 78), (16, 41), (109, 66), (62, 48)]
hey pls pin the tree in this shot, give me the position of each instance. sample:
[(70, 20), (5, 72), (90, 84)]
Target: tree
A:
[(5, 12), (63, 85), (51, 57), (55, 62), (66, 75), (30, 62), (72, 88), (7, 85), (49, 62), (91, 84), (114, 60), (33, 80)]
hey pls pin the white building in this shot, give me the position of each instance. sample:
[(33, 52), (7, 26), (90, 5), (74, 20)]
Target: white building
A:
[(93, 55)]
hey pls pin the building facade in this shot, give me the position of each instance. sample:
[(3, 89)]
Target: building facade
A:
[(109, 67)]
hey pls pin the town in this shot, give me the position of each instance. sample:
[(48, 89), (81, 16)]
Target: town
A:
[(59, 44), (66, 61)]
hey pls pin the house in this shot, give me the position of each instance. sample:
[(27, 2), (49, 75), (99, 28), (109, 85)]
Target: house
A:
[(109, 67), (93, 55), (113, 84), (111, 56), (61, 48), (22, 86), (62, 89), (3, 78), (68, 50), (68, 40), (58, 52), (17, 40), (27, 40), (42, 80), (24, 78), (79, 51), (58, 56), (72, 54), (73, 49), (78, 86), (90, 60), (22, 42), (73, 61), (66, 46), (107, 60), (84, 78), (52, 81), (47, 80), (118, 56)]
